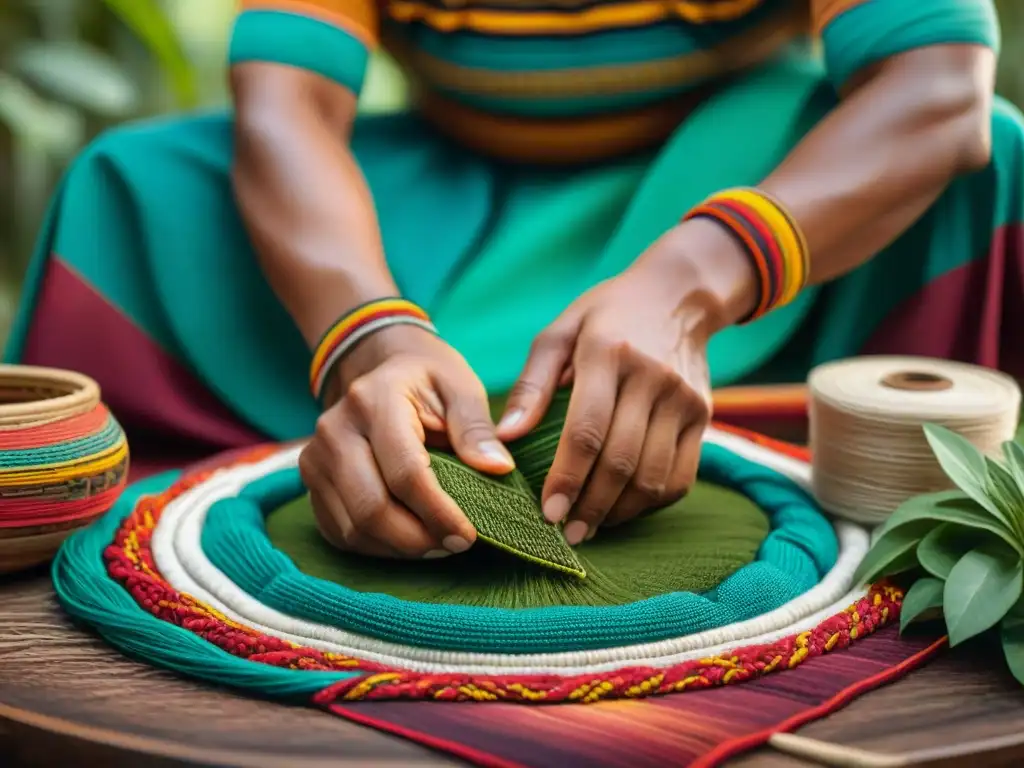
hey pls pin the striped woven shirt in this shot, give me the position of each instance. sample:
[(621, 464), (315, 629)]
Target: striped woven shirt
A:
[(490, 70)]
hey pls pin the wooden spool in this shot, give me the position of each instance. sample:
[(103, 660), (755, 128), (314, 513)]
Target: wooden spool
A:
[(33, 397)]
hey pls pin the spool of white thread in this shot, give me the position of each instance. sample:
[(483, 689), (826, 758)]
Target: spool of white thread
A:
[(869, 452)]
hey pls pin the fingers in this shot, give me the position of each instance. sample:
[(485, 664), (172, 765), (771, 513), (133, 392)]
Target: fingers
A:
[(618, 462), (649, 485), (587, 424), (641, 497), (647, 457), (352, 498), (470, 429), (531, 395), (397, 449), (684, 472), (331, 518)]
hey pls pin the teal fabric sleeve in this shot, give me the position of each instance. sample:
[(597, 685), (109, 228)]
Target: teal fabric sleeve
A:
[(877, 29), (299, 41)]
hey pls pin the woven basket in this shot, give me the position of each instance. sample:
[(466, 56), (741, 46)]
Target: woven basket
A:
[(63, 461)]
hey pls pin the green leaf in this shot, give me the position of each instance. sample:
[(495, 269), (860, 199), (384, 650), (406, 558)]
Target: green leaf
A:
[(152, 26), (77, 74), (1007, 494), (1014, 454), (1011, 632), (942, 548), (55, 128), (963, 464), (923, 596), (949, 507), (982, 587), (893, 552)]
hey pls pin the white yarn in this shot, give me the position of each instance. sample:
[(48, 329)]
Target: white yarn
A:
[(179, 556), (868, 446)]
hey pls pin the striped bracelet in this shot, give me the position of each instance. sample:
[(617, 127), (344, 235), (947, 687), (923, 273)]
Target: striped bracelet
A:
[(355, 326), (771, 238)]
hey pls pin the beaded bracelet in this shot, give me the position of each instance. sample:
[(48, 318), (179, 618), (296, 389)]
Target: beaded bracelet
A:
[(355, 326), (771, 238)]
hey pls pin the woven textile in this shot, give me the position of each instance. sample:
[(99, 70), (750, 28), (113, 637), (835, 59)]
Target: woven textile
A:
[(63, 461), (692, 547), (148, 578), (61, 471), (699, 730)]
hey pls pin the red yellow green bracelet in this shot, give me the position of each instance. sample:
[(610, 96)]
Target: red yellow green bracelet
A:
[(356, 325), (770, 237)]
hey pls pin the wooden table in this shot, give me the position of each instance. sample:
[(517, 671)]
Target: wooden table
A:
[(66, 699)]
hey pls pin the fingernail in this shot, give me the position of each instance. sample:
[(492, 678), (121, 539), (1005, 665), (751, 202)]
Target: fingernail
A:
[(436, 554), (495, 451), (590, 534), (574, 532), (455, 544), (511, 418), (556, 508)]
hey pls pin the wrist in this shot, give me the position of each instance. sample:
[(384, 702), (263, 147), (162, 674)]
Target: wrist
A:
[(361, 339), (718, 282), (373, 351)]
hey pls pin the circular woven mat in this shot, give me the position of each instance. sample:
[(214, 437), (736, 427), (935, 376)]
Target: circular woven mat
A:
[(691, 546), (183, 574)]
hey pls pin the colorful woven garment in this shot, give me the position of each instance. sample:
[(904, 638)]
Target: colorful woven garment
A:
[(63, 460)]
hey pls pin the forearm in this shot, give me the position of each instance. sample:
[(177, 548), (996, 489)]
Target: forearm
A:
[(303, 198), (871, 168), (856, 182)]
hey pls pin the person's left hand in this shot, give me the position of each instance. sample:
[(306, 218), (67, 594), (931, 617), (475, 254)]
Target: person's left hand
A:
[(634, 348)]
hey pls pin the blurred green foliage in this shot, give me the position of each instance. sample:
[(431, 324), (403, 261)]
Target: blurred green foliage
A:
[(69, 68)]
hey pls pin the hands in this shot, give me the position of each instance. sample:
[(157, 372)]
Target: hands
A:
[(367, 467), (635, 348)]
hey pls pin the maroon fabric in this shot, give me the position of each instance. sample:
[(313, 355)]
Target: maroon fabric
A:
[(170, 417), (698, 729), (974, 314)]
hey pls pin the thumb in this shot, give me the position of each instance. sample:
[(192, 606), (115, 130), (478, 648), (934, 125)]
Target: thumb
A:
[(471, 431), (531, 395)]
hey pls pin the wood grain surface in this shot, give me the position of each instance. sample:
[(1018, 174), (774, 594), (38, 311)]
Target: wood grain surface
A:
[(66, 699)]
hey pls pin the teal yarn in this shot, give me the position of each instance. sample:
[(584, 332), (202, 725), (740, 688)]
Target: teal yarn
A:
[(68, 450), (798, 551), (86, 591)]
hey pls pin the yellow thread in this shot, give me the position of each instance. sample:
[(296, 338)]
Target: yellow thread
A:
[(69, 470), (490, 21), (368, 684), (738, 52), (345, 324), (799, 655)]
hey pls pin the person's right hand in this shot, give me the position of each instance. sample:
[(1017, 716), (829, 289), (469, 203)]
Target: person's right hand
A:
[(367, 467)]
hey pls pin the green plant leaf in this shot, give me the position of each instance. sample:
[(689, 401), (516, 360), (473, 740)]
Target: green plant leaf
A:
[(964, 465), (152, 26), (77, 74), (1014, 454), (55, 128), (893, 552), (949, 507), (1007, 494), (1011, 632), (943, 546), (924, 595), (982, 587)]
